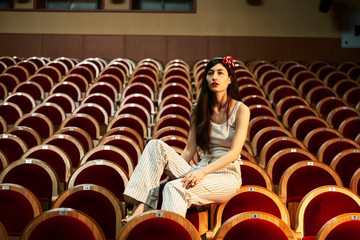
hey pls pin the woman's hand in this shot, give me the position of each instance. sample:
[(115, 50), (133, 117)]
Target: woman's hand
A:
[(192, 179)]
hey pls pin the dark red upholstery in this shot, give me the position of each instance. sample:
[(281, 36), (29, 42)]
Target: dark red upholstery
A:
[(324, 207), (32, 177), (255, 229), (347, 165), (53, 158), (285, 161), (38, 123), (62, 227), (250, 201), (305, 179), (104, 176), (159, 229), (15, 211), (251, 176), (97, 206), (10, 112), (349, 230), (11, 149), (110, 155)]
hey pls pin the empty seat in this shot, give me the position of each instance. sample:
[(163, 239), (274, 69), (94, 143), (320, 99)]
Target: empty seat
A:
[(104, 173), (332, 147), (138, 87), (287, 102), (35, 175), (261, 110), (253, 174), (294, 113), (309, 84), (37, 121), (265, 135), (94, 110), (322, 204), (145, 79), (306, 124), (80, 134), (124, 143), (255, 225), (285, 158), (85, 122), (281, 92), (70, 145), (51, 71), (78, 80), (20, 72), (344, 85), (258, 123), (346, 164), (115, 81), (43, 80), (32, 88), (172, 120), (105, 88), (68, 88), (318, 93), (335, 77), (83, 71), (350, 127), (75, 225), (251, 198), (327, 104), (63, 100), (102, 100), (339, 114), (110, 153), (129, 120), (352, 96), (55, 113), (30, 137), (12, 147), (126, 131), (171, 109), (275, 82), (255, 100), (158, 224), (345, 226), (23, 100), (300, 179), (248, 90), (9, 80), (97, 202), (276, 144), (173, 88), (302, 76), (11, 112), (55, 157), (18, 206), (314, 139), (137, 110), (270, 74)]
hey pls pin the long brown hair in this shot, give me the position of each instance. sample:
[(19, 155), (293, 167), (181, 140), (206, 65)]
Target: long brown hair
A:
[(203, 110)]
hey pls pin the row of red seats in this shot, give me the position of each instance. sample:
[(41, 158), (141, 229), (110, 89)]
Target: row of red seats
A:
[(248, 152)]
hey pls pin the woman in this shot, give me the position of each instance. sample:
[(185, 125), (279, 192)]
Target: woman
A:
[(219, 124)]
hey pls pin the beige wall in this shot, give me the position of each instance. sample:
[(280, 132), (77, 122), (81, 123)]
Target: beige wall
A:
[(274, 18)]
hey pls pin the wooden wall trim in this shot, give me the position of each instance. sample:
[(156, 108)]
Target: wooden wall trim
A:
[(165, 48)]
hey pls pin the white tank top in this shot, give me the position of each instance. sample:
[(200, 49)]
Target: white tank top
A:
[(221, 136)]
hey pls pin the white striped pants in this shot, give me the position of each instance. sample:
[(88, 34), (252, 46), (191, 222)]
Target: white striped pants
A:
[(157, 158)]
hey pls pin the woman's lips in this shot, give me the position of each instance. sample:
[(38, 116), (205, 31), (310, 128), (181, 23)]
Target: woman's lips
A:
[(214, 84)]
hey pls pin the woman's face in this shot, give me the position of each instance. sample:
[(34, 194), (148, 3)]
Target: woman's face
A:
[(218, 78)]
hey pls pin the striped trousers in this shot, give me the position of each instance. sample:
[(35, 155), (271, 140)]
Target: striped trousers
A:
[(158, 158)]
